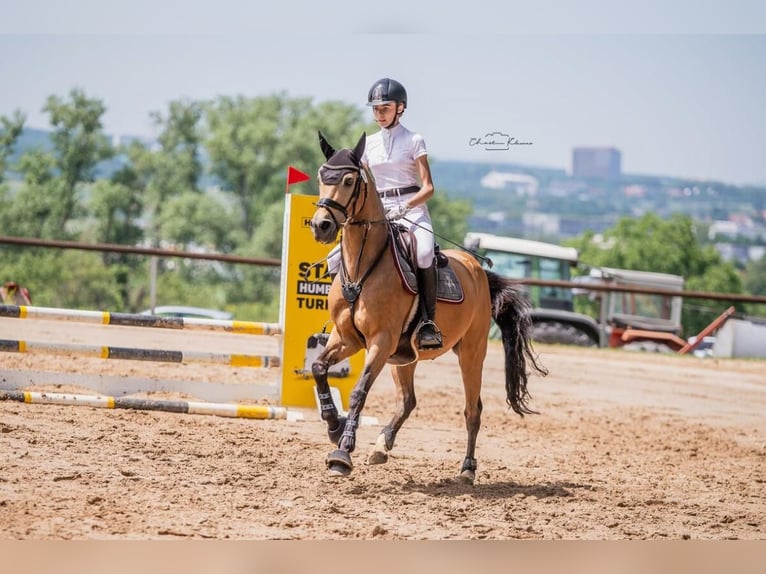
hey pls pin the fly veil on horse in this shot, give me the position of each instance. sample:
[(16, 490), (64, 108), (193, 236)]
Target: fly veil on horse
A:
[(371, 309)]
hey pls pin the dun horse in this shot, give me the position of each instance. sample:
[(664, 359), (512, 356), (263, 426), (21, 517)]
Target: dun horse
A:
[(372, 309)]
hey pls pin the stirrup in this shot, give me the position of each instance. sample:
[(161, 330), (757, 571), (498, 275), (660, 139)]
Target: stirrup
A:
[(429, 336)]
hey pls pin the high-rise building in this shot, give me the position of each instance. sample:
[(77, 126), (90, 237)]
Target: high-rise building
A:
[(600, 162)]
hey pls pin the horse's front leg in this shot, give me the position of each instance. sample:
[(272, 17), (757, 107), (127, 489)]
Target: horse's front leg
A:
[(334, 352), (339, 461)]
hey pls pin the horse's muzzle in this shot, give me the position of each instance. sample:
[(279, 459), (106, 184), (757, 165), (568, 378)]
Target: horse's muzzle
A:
[(325, 230)]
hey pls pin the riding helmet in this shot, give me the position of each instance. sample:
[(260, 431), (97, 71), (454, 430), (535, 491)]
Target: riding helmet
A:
[(386, 90)]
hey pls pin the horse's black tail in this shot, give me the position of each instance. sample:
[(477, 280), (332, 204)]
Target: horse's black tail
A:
[(511, 313)]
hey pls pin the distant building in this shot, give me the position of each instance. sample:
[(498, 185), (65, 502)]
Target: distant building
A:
[(541, 224), (522, 184), (597, 162), (634, 191), (723, 228)]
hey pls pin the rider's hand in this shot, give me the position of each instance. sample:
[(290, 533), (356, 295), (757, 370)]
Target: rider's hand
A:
[(397, 212)]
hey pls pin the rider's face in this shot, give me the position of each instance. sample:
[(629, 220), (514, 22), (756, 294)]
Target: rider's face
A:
[(385, 114)]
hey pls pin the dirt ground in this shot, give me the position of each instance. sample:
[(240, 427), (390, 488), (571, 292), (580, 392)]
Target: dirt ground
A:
[(626, 446)]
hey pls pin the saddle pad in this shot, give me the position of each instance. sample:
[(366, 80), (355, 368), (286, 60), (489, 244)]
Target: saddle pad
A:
[(448, 287)]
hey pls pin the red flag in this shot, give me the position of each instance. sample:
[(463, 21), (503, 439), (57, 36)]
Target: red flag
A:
[(295, 176)]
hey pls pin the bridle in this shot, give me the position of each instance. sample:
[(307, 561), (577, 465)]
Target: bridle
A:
[(351, 289), (331, 205)]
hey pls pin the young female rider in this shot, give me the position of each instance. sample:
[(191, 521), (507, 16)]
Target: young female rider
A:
[(398, 159)]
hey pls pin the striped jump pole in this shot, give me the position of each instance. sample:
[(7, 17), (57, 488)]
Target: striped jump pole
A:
[(139, 320), (158, 355), (173, 406)]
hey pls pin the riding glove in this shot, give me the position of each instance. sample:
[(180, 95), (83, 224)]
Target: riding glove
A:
[(397, 212)]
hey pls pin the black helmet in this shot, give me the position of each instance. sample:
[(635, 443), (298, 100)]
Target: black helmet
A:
[(386, 90)]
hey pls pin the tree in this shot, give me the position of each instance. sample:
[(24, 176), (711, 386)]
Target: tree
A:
[(755, 276), (194, 219), (252, 141), (37, 209), (449, 219), (9, 134), (68, 278), (755, 284), (10, 131), (116, 207), (49, 199), (158, 174), (79, 144)]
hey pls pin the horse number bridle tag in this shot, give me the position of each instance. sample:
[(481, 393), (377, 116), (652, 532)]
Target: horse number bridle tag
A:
[(351, 291)]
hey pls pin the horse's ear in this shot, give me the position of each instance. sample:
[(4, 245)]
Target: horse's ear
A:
[(327, 149), (360, 145)]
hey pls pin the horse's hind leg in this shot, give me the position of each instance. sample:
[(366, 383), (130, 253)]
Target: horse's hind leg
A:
[(471, 369), (404, 377)]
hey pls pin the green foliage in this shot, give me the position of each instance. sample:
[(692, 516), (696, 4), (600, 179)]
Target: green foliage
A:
[(49, 198), (251, 141), (174, 169), (9, 134), (257, 284), (191, 218), (79, 145), (449, 219), (72, 279), (115, 209), (37, 207), (755, 282), (180, 140)]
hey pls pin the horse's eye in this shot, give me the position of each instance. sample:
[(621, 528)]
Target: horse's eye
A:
[(348, 181)]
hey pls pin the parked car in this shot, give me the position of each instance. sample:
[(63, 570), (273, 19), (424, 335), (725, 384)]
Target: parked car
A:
[(186, 311)]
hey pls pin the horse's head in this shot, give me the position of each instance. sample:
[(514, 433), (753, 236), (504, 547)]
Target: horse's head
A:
[(341, 179)]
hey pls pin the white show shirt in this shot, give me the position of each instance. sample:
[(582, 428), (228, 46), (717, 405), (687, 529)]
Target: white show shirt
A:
[(391, 155)]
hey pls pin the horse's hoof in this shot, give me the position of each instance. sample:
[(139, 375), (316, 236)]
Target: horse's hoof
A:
[(467, 477), (339, 463), (338, 470), (377, 457), (336, 433)]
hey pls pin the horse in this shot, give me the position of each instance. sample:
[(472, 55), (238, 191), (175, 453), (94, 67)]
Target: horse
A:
[(370, 309)]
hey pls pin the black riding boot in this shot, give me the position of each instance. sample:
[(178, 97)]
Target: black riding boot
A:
[(428, 336)]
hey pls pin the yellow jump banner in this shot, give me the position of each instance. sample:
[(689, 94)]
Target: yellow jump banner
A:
[(304, 311)]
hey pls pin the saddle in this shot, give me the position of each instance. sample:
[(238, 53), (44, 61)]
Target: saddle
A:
[(403, 247)]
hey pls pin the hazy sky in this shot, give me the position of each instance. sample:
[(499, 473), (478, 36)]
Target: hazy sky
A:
[(561, 75)]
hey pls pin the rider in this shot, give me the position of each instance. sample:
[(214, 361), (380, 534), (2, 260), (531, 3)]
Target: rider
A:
[(398, 158)]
